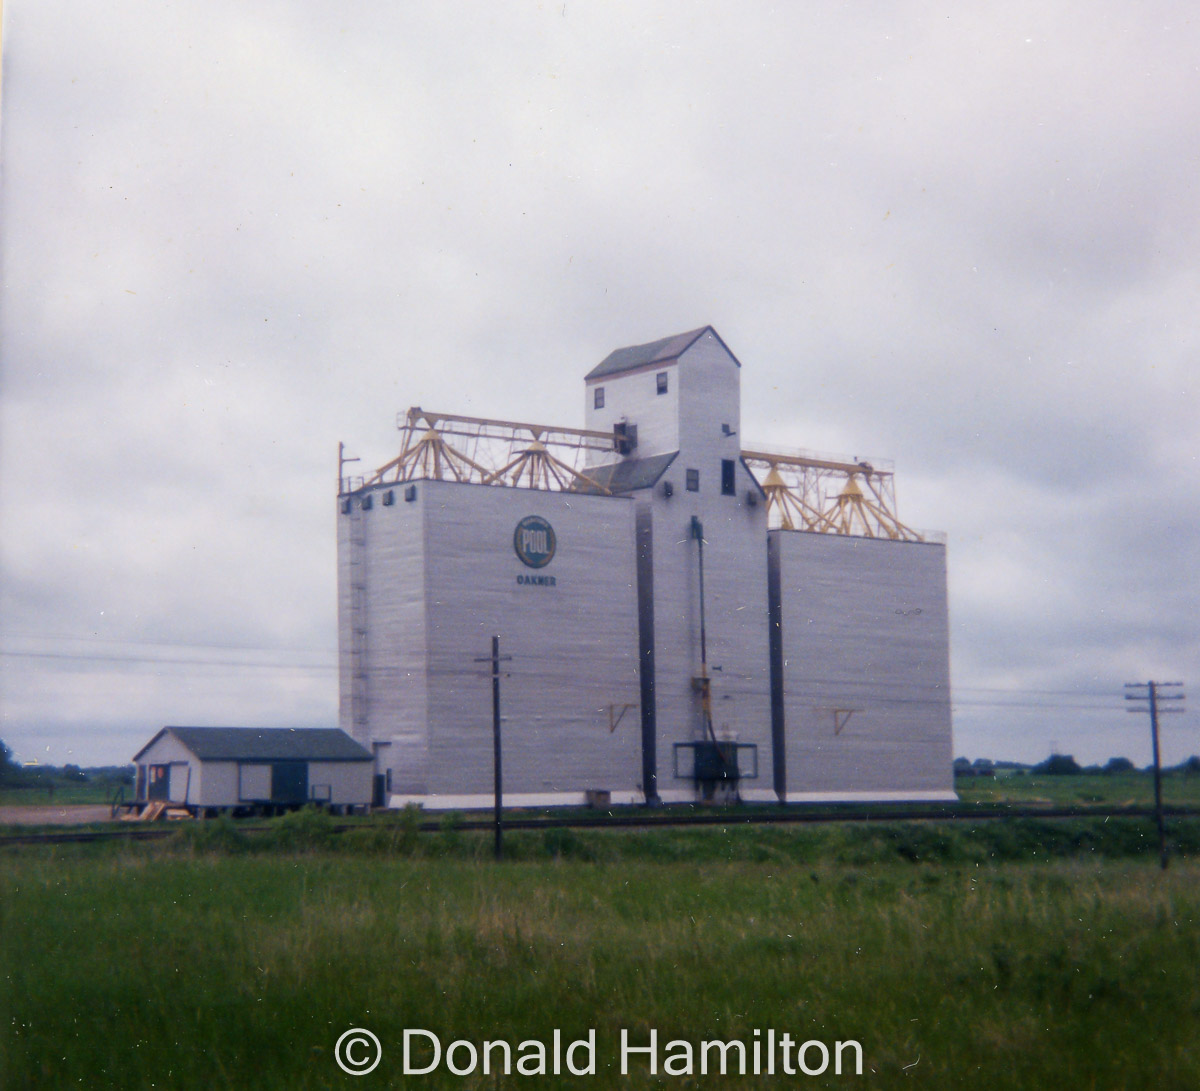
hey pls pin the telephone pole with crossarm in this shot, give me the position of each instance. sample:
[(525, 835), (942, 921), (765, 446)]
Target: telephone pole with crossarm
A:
[(1148, 701)]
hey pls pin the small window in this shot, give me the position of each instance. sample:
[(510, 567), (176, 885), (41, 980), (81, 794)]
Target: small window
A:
[(598, 398), (727, 480), (693, 480), (661, 382), (366, 503)]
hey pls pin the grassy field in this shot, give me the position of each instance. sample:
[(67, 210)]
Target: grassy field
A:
[(1114, 790), (1004, 954), (58, 796)]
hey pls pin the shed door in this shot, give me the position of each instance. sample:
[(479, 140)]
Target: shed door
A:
[(159, 786), (289, 782)]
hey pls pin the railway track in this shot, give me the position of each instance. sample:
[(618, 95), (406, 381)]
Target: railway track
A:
[(641, 819)]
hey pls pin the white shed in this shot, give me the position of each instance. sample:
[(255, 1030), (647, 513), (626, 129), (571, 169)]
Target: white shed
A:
[(243, 767)]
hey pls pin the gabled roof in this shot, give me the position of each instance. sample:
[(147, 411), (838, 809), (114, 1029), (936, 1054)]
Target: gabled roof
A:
[(657, 352), (265, 744), (630, 475)]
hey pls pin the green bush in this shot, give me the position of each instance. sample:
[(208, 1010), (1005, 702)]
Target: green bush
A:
[(216, 835), (306, 830), (390, 834)]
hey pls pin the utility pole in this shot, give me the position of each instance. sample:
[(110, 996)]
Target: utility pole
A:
[(497, 780), (1149, 701)]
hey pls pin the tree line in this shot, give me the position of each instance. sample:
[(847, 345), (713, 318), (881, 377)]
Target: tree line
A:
[(15, 775), (1060, 765)]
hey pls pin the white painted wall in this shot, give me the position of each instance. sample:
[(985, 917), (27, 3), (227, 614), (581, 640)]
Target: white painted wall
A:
[(735, 578), (254, 782), (349, 781), (168, 750), (864, 627), (350, 556), (632, 396), (383, 550), (442, 578), (573, 644), (709, 397), (220, 784)]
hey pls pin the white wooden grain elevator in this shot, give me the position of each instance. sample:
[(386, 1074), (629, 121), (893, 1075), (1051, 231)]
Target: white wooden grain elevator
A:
[(688, 617)]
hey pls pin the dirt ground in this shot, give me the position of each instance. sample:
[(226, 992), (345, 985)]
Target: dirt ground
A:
[(51, 815)]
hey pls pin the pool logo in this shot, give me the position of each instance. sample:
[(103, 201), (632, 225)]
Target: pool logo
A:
[(534, 541)]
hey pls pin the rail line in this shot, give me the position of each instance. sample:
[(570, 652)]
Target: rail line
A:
[(640, 820)]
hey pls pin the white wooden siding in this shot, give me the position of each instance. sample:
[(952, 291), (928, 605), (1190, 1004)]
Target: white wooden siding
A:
[(442, 577), (865, 645), (254, 782), (573, 645), (735, 577), (220, 784), (168, 750), (349, 782), (633, 397), (388, 561)]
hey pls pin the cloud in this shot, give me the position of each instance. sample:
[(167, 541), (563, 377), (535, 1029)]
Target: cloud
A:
[(232, 236)]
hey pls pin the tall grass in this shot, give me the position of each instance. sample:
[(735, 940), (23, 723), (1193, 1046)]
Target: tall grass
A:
[(215, 965), (977, 840)]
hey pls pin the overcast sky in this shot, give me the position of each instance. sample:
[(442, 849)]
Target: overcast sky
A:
[(963, 237)]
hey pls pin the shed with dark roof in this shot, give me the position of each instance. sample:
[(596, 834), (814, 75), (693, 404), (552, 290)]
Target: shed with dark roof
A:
[(218, 768)]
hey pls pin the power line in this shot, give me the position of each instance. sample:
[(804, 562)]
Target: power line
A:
[(398, 672), (333, 652), (962, 696), (137, 643), (166, 660)]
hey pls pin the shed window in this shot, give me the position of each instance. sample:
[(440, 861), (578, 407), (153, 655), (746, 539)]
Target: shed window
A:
[(693, 480), (660, 381), (727, 483), (598, 398)]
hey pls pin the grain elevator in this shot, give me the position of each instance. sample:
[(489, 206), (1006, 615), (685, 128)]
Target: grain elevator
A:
[(686, 616)]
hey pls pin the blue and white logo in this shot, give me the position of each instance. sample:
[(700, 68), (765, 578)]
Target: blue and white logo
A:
[(534, 541)]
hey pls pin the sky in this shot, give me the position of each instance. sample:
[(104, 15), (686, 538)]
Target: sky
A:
[(960, 237)]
